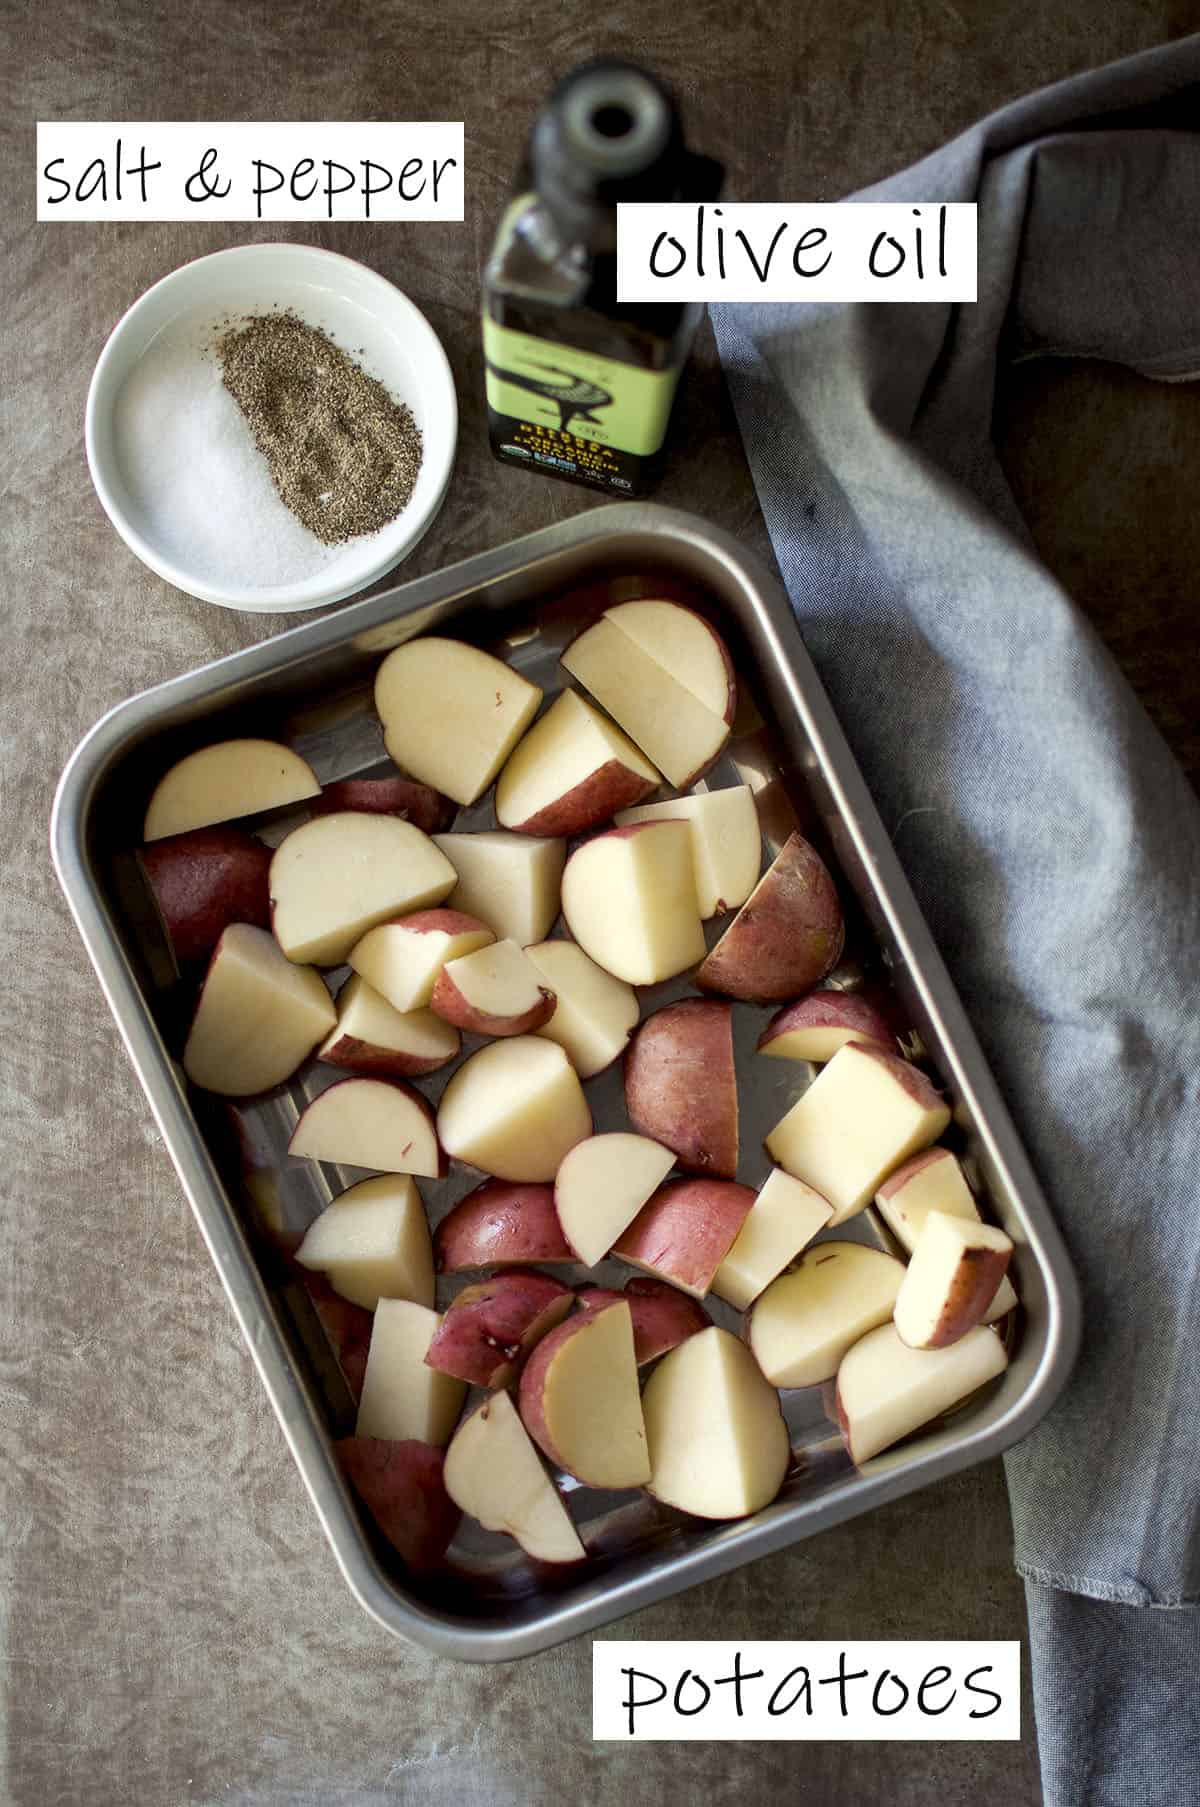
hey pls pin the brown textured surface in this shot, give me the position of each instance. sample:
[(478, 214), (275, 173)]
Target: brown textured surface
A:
[(172, 1625)]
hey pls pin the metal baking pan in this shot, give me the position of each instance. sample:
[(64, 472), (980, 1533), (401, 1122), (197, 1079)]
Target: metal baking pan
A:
[(312, 688)]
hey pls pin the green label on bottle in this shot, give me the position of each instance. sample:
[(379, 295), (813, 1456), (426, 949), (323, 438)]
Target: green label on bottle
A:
[(575, 403)]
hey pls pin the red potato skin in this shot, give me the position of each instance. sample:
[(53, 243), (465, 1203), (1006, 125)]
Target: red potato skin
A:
[(449, 1003), (786, 936), (681, 1087), (490, 1328), (401, 1486), (373, 1062), (417, 803), (830, 1010), (500, 1224), (662, 1316), (686, 1230), (347, 1326), (976, 1280), (610, 787), (205, 880), (448, 922)]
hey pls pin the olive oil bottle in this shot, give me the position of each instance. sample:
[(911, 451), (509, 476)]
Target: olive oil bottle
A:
[(579, 385)]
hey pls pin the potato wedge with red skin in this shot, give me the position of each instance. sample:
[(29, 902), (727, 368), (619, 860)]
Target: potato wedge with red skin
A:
[(681, 1085), (205, 880), (501, 1224), (786, 936), (572, 771), (417, 803), (662, 1316), (493, 991), (815, 1027), (579, 1401), (683, 1234), (381, 1123), (490, 1328), (381, 1042), (951, 1281), (402, 959), (403, 1488)]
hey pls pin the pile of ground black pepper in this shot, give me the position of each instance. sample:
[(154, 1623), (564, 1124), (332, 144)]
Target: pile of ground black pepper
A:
[(343, 453)]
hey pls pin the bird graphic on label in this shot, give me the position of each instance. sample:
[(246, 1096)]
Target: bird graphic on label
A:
[(575, 396)]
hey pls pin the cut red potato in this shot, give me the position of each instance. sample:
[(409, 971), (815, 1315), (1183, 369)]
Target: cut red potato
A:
[(785, 1217), (258, 1016), (347, 1327), (222, 782), (490, 1327), (815, 1027), (786, 936), (806, 1320), (629, 899), (417, 803), (515, 1110), (402, 959), (685, 1232), (373, 1243), (931, 1181), (205, 880), (862, 1115), (885, 1390), (403, 1487), (594, 1014), (336, 877), (402, 1397), (662, 1316), (380, 1123), (494, 1473), (451, 714), (501, 1225), (602, 1185), (719, 1446), (580, 1403), (509, 881), (665, 676), (372, 1038), (685, 644), (494, 991), (726, 842), (952, 1279), (572, 771), (681, 1086)]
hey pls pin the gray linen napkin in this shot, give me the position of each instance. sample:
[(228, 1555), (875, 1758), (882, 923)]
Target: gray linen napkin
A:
[(1049, 835)]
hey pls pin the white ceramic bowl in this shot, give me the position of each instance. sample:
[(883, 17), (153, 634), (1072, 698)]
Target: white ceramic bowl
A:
[(367, 316)]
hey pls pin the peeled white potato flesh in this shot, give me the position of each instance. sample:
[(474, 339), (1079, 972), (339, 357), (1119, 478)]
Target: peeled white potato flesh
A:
[(451, 714), (222, 782), (863, 1114), (726, 842), (494, 1473), (886, 1390), (676, 732), (951, 1281), (684, 644), (806, 1320), (366, 1021), (718, 1443), (402, 1397), (402, 959), (259, 1015), (379, 1123), (784, 1218), (601, 1186), (514, 1110), (629, 898), (373, 1243), (509, 881), (594, 1014), (337, 876), (572, 763)]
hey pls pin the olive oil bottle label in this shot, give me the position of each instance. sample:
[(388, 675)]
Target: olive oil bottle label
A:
[(571, 412)]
